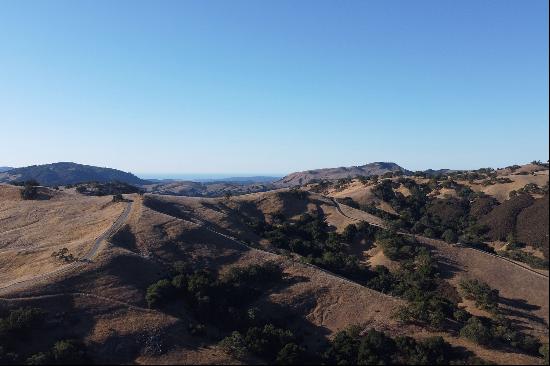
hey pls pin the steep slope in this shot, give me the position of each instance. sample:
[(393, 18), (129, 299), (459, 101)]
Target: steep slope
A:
[(502, 219), (532, 225), (64, 173)]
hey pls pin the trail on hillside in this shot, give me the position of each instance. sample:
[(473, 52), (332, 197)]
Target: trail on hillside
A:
[(120, 221)]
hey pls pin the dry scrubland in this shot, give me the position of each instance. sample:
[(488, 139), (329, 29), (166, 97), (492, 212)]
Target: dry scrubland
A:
[(32, 230), (104, 300)]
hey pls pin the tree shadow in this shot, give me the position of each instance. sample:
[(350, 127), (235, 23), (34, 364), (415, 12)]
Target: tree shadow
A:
[(448, 267), (520, 304)]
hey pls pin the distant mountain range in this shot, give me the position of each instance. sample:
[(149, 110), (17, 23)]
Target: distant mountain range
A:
[(64, 173), (68, 173), (377, 168)]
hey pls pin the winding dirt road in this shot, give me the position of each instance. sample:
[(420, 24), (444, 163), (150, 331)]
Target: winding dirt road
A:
[(120, 221), (422, 239)]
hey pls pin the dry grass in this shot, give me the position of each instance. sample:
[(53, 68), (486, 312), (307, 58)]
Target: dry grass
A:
[(31, 230), (113, 315), (501, 191)]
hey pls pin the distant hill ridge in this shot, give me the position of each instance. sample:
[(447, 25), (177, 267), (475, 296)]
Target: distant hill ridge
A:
[(376, 168), (5, 169), (64, 173)]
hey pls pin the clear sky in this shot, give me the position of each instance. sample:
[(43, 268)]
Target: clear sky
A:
[(266, 87)]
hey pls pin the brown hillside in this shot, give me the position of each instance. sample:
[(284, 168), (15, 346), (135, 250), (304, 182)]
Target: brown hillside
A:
[(502, 219), (532, 225), (482, 206)]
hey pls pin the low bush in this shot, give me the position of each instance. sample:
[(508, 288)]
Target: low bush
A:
[(484, 296)]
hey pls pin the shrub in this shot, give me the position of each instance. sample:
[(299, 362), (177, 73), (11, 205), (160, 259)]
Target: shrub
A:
[(118, 198), (19, 322), (290, 354), (159, 293), (344, 347), (397, 247), (234, 345), (38, 359), (29, 192), (349, 233), (268, 341), (461, 315), (450, 236), (543, 350), (68, 352), (349, 347), (484, 296), (375, 348), (525, 257), (476, 331)]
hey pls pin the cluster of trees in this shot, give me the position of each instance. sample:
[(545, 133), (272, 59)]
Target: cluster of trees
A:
[(416, 281), (226, 303), (525, 257), (494, 180), (310, 237), (355, 347), (222, 301), (530, 188), (342, 183), (64, 352), (484, 296), (273, 344), (64, 255), (497, 331), (448, 219), (17, 328), (105, 189), (397, 247), (30, 190)]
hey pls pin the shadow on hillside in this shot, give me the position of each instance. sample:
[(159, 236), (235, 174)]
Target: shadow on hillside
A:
[(448, 267), (282, 315), (521, 310), (250, 211), (63, 320), (518, 304), (126, 239), (167, 208)]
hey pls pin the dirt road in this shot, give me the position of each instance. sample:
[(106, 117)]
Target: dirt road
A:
[(121, 220)]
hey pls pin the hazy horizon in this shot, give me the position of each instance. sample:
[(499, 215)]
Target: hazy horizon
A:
[(246, 86), (213, 175)]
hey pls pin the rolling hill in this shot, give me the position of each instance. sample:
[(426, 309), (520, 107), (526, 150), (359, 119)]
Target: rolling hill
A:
[(64, 173), (169, 279), (377, 168)]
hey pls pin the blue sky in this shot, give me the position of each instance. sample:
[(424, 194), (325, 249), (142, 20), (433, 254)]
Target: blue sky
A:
[(265, 87)]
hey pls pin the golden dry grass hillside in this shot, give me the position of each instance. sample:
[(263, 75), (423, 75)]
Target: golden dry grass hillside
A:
[(103, 302)]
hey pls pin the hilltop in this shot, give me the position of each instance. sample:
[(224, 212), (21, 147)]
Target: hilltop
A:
[(376, 168), (65, 173), (5, 169)]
